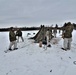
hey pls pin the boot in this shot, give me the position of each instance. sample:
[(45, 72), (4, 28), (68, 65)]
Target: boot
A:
[(15, 48), (10, 49)]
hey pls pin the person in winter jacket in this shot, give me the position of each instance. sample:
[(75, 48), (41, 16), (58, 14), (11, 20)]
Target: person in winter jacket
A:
[(12, 38), (67, 36), (19, 34)]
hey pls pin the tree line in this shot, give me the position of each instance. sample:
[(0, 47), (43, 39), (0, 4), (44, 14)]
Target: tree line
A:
[(34, 28)]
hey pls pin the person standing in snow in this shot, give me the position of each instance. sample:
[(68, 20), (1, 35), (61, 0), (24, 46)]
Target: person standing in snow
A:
[(67, 36), (48, 36), (12, 38), (19, 34)]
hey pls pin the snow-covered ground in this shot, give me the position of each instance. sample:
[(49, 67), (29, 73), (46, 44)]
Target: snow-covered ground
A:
[(33, 60)]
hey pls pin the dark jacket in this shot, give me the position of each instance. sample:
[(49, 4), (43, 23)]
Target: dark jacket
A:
[(12, 36), (18, 33), (68, 31), (44, 41)]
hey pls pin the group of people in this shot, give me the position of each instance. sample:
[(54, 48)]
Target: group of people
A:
[(14, 37), (66, 35)]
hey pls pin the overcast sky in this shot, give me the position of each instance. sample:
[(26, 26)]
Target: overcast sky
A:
[(36, 12)]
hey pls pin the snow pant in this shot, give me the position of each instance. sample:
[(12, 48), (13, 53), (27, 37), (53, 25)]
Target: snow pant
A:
[(13, 43), (21, 38), (67, 43)]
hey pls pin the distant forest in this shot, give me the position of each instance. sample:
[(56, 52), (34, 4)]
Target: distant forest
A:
[(22, 28), (33, 28)]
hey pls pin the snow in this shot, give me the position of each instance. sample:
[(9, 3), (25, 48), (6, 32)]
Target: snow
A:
[(33, 60)]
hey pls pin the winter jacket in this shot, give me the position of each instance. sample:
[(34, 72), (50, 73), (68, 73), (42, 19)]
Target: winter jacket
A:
[(47, 33), (12, 36), (68, 31), (19, 33)]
